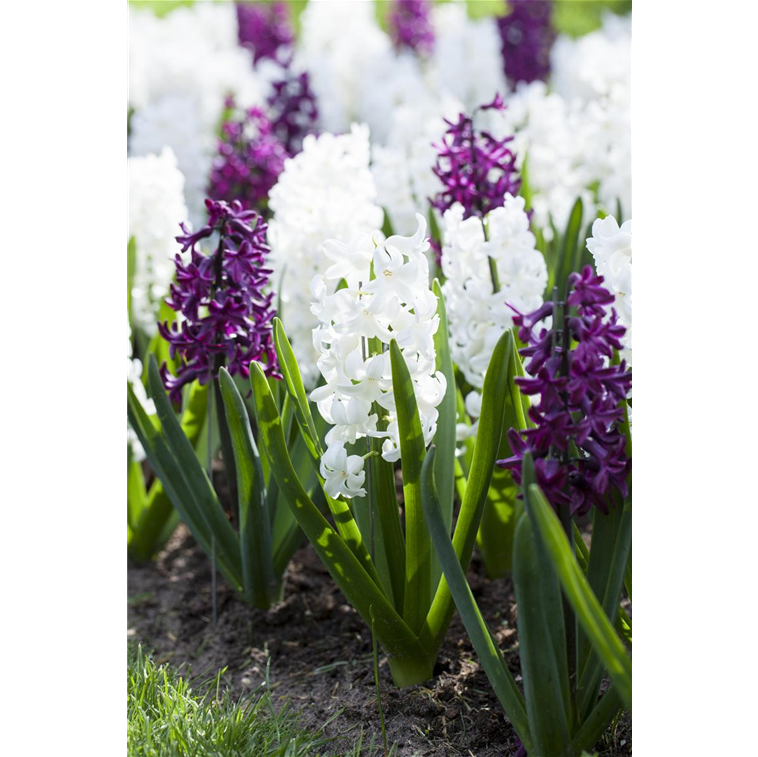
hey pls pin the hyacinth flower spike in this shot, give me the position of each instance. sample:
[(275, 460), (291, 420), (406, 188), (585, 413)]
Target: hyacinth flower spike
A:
[(574, 458)]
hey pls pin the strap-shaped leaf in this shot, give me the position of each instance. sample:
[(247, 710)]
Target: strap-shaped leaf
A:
[(181, 494), (489, 655), (483, 462), (610, 590), (418, 546), (254, 523), (540, 614), (226, 542), (588, 609), (570, 246), (444, 438), (361, 591), (594, 726)]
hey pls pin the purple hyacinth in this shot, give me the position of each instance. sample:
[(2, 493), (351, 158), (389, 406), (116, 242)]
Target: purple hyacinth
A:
[(578, 450), (294, 109), (410, 26), (227, 317), (527, 36), (249, 160), (266, 30), (475, 168)]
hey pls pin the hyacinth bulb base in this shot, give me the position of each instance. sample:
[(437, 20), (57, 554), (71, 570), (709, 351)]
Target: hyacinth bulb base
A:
[(411, 671)]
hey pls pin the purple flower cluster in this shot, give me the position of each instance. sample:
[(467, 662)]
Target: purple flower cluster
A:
[(410, 26), (527, 36), (294, 110), (226, 316), (249, 160), (577, 448), (264, 29), (475, 168)]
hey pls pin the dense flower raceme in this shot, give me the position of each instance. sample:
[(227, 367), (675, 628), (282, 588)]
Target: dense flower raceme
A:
[(265, 29), (410, 26), (294, 110), (181, 69), (476, 169), (527, 36), (134, 378), (611, 247), (579, 452), (156, 205), (249, 160), (357, 397), (324, 192), (224, 314), (475, 312)]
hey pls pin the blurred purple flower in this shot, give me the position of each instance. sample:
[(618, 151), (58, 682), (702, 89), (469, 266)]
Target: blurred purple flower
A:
[(410, 26), (294, 109), (475, 168), (249, 160), (226, 318), (266, 30), (527, 36), (577, 448)]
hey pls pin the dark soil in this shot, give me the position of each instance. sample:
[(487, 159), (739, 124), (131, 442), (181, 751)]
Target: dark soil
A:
[(320, 656)]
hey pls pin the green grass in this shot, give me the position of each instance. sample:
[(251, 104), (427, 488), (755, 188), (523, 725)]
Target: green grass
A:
[(166, 718)]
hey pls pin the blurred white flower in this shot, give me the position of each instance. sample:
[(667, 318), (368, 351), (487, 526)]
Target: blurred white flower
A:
[(156, 208), (326, 192), (611, 247), (181, 69), (396, 304), (478, 316), (467, 59)]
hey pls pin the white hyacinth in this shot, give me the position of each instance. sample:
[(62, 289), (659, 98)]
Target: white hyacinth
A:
[(477, 315), (611, 247), (134, 378), (396, 304), (324, 192), (467, 59), (181, 69), (156, 208)]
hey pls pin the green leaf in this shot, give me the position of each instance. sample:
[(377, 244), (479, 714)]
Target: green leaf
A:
[(609, 589), (489, 655), (176, 484), (444, 439), (131, 270), (136, 494), (543, 666), (358, 586), (599, 719), (254, 523), (418, 547), (485, 453), (226, 542), (588, 609), (570, 245), (294, 382)]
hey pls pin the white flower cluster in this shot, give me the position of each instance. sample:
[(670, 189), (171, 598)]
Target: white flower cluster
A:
[(395, 304), (181, 69), (611, 247), (134, 378), (467, 58), (156, 208), (478, 316), (324, 192), (337, 45), (594, 72)]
